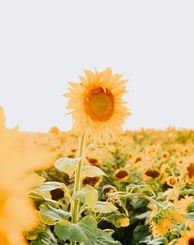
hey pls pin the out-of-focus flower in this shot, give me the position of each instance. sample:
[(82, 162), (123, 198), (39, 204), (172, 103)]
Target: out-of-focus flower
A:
[(17, 212), (190, 171), (121, 174), (162, 220), (187, 237), (153, 173), (184, 203)]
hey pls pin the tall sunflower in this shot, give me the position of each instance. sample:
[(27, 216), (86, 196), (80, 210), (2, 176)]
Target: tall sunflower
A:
[(96, 103)]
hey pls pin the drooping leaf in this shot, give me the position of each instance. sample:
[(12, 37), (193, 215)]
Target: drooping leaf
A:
[(88, 195), (67, 165), (105, 207), (50, 215), (84, 231), (51, 185), (44, 190), (91, 171)]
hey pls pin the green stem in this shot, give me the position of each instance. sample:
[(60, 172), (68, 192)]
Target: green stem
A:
[(143, 196), (77, 185)]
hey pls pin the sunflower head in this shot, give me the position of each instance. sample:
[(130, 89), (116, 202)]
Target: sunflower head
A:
[(190, 170), (121, 174), (96, 103)]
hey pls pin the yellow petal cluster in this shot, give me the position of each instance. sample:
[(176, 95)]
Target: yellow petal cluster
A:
[(96, 103)]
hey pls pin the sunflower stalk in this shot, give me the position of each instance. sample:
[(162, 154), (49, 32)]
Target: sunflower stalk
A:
[(75, 206)]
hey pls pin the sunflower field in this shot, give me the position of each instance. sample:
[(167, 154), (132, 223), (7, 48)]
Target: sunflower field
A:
[(96, 184)]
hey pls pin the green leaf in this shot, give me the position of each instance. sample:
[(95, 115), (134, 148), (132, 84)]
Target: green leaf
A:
[(121, 220), (105, 207), (191, 207), (144, 189), (104, 239), (140, 233), (33, 234), (137, 202), (91, 171), (143, 215), (88, 195), (45, 238), (67, 165), (50, 215), (43, 191), (156, 241), (51, 185), (190, 216), (39, 196), (48, 186), (36, 242), (91, 197), (84, 231)]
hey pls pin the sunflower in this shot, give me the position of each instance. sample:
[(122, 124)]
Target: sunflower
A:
[(190, 170), (162, 220), (96, 103), (184, 204), (171, 181), (121, 174), (187, 237)]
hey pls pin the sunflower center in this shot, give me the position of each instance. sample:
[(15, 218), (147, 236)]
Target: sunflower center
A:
[(99, 104), (190, 170), (191, 241)]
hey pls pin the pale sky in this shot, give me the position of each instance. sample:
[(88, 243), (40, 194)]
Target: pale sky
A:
[(44, 44)]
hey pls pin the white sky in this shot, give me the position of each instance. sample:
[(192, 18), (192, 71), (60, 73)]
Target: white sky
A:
[(44, 44)]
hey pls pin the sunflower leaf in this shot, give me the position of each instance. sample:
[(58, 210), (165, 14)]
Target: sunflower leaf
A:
[(105, 207), (104, 239), (67, 165), (92, 171), (84, 231), (43, 191), (51, 215), (88, 195)]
